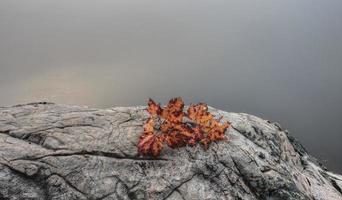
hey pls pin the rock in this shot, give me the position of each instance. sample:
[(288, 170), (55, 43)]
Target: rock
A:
[(50, 151)]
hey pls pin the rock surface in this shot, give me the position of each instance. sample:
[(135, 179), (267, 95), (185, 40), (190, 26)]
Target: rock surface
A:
[(50, 151)]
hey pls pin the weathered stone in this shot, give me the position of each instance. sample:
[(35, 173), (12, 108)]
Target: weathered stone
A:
[(50, 151)]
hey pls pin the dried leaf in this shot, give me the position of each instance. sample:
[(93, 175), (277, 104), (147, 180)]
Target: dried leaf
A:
[(173, 112), (153, 108), (174, 140), (151, 144), (149, 126), (199, 113), (178, 129)]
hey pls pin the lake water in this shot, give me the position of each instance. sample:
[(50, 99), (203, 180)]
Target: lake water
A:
[(280, 60)]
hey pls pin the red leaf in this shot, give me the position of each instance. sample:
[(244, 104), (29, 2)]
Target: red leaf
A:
[(153, 108), (168, 125)]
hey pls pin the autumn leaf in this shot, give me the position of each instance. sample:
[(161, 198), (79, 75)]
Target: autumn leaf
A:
[(174, 140), (151, 144), (171, 125), (149, 126), (173, 112), (153, 108), (199, 113)]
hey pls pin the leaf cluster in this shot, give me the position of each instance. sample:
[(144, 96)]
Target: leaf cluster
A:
[(176, 128)]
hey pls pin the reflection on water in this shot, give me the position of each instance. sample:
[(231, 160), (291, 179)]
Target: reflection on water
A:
[(64, 86), (278, 60)]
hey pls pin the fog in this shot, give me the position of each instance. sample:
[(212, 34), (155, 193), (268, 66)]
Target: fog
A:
[(280, 60)]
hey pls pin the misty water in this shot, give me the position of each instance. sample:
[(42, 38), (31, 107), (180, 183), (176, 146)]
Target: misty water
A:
[(280, 60)]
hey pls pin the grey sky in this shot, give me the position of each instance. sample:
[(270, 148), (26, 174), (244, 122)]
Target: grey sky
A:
[(280, 60)]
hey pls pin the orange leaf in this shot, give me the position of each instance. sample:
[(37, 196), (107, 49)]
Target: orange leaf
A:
[(199, 113), (149, 126), (178, 129), (150, 144), (153, 108)]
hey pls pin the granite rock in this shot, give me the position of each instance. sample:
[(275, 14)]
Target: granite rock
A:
[(52, 151)]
